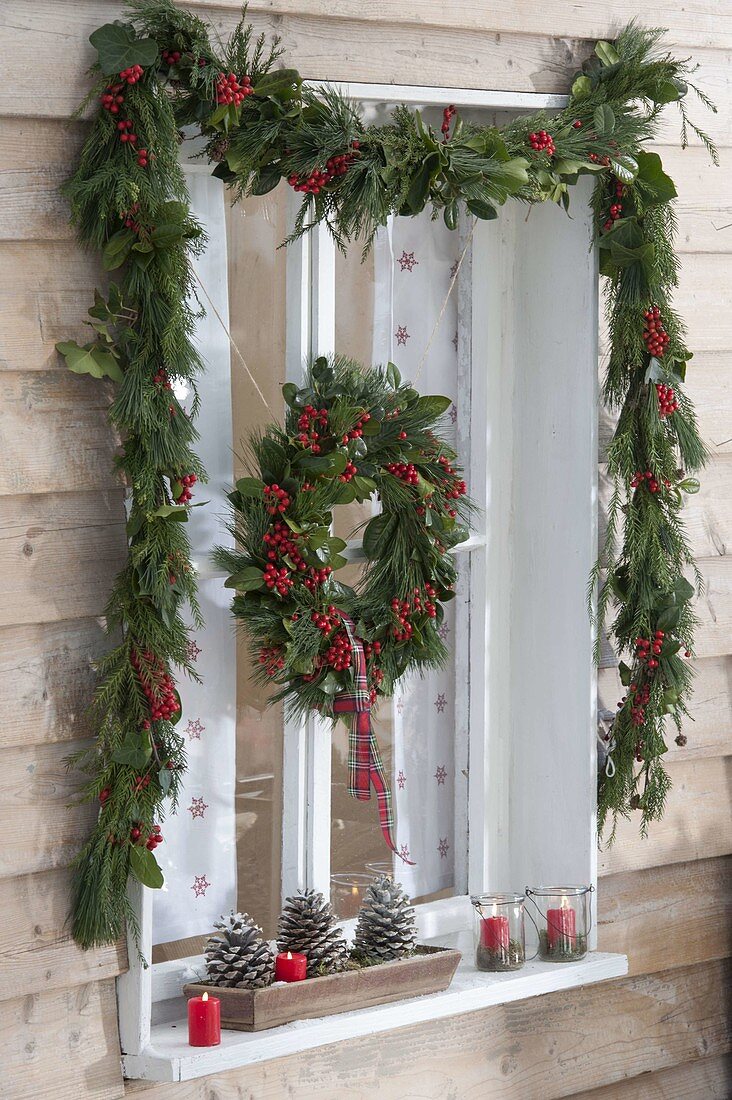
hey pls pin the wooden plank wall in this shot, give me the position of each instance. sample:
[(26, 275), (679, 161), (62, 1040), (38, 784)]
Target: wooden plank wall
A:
[(661, 1033)]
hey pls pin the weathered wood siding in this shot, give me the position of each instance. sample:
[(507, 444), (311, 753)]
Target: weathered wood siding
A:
[(663, 1032)]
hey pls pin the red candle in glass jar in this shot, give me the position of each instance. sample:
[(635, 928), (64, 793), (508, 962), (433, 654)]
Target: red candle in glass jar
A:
[(291, 967), (494, 932), (560, 926), (204, 1021)]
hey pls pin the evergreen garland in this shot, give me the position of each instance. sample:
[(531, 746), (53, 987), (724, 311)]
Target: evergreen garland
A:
[(159, 72)]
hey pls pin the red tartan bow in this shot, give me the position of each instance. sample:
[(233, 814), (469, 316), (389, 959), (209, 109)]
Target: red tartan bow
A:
[(365, 766)]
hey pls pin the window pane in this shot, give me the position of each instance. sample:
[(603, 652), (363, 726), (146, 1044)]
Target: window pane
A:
[(386, 309)]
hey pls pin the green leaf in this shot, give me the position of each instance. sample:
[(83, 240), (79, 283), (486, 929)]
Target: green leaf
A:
[(330, 684), (377, 535), (117, 249), (166, 235), (669, 91), (289, 393), (483, 210), (581, 88), (683, 590), (450, 214), (265, 180), (432, 406), (607, 53), (251, 488), (144, 867), (604, 119), (134, 752), (345, 494), (393, 376), (118, 48), (626, 674), (282, 84), (625, 168), (177, 512), (669, 617), (657, 186), (91, 359), (247, 580), (689, 485), (419, 189), (164, 779)]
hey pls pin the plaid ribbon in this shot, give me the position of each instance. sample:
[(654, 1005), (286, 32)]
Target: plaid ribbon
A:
[(365, 766)]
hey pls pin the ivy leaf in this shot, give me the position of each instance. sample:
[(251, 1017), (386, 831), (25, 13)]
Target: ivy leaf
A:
[(145, 868), (90, 359), (655, 372), (657, 186), (118, 48), (581, 88), (604, 119), (117, 249), (133, 752), (607, 53), (683, 590)]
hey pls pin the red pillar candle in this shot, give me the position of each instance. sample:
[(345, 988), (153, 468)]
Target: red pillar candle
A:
[(560, 926), (204, 1021), (494, 932), (291, 967)]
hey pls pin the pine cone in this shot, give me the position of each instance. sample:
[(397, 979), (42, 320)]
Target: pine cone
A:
[(386, 927), (237, 955), (218, 149), (308, 924)]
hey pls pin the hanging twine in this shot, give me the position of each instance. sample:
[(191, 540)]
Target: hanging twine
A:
[(221, 321)]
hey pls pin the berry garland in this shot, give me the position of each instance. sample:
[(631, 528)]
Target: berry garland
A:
[(350, 433), (159, 72)]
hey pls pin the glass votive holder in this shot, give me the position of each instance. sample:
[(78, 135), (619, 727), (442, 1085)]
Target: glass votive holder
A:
[(379, 867), (563, 921), (347, 891), (498, 931)]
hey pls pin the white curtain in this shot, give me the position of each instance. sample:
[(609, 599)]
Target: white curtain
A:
[(415, 260), (199, 854)]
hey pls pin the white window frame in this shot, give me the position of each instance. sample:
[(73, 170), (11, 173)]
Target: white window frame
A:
[(527, 814)]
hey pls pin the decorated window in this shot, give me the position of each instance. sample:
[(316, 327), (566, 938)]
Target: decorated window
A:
[(266, 807)]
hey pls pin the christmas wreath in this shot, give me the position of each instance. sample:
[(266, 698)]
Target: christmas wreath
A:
[(159, 72)]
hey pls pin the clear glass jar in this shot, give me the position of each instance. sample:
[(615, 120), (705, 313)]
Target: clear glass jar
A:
[(498, 931), (563, 918), (347, 891)]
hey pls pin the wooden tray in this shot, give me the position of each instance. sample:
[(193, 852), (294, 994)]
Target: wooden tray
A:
[(430, 970)]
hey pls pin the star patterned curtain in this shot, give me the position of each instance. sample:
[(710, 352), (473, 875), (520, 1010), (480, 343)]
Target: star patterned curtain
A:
[(415, 260)]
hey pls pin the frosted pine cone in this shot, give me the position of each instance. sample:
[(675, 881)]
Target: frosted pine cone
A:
[(308, 924), (386, 927), (237, 955)]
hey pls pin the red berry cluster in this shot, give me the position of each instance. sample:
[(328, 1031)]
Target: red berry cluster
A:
[(647, 649), (160, 693), (130, 218), (336, 166), (124, 127), (649, 480), (349, 472), (454, 486), (229, 90), (171, 56), (276, 499), (641, 695), (278, 579), (404, 471), (376, 679), (112, 99), (393, 414), (142, 158), (270, 656), (317, 577), (132, 74), (340, 652), (604, 161), (309, 421), (616, 208), (371, 649), (140, 782), (447, 116), (654, 334), (667, 403), (542, 142), (357, 430), (154, 838), (325, 621), (402, 610), (104, 795), (185, 483), (282, 541), (424, 601), (160, 378)]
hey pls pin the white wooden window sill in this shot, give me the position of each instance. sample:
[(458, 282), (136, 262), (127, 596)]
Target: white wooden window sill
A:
[(168, 1057)]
